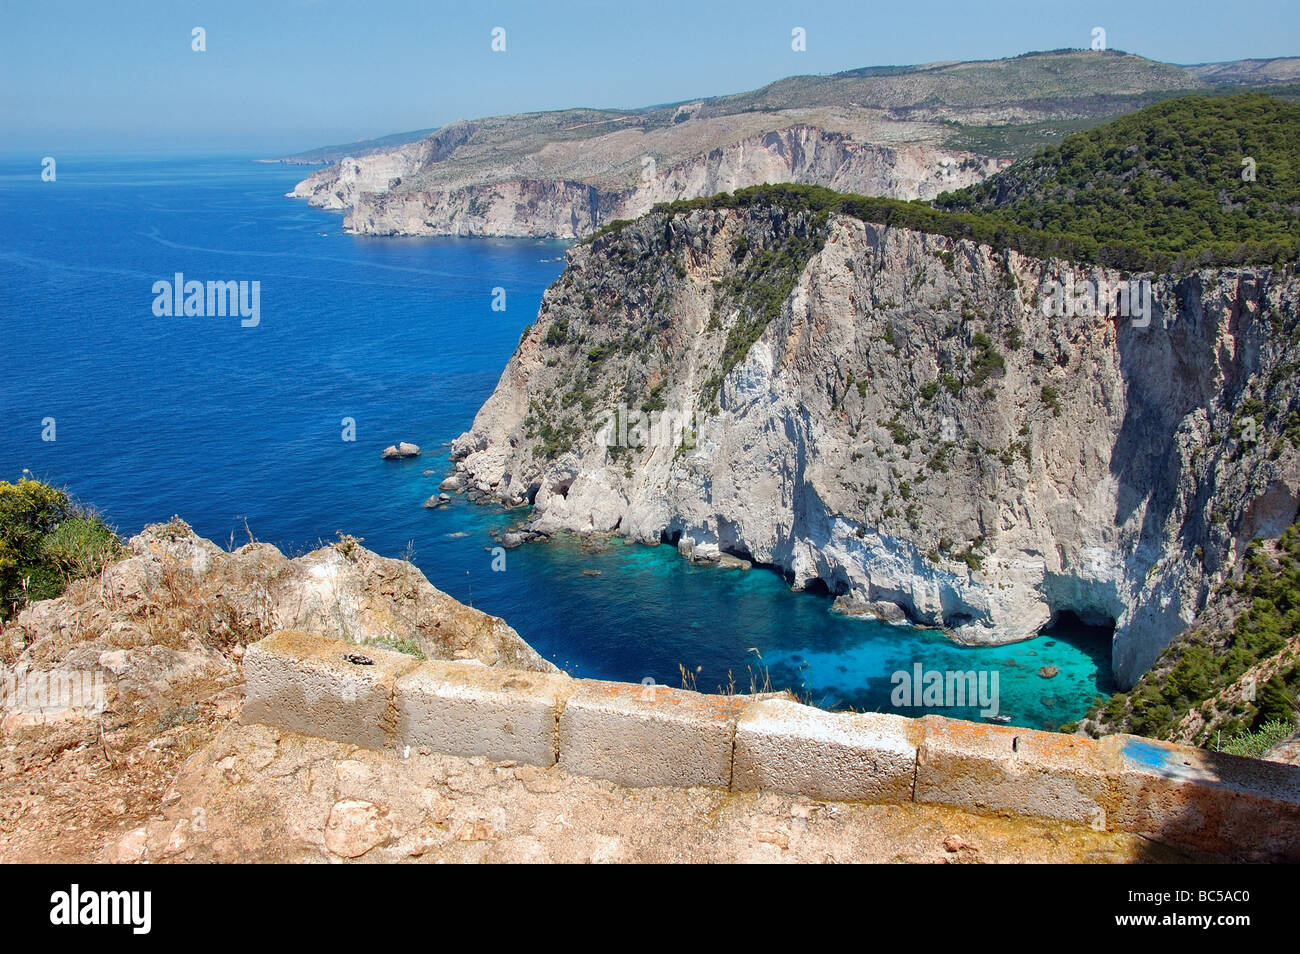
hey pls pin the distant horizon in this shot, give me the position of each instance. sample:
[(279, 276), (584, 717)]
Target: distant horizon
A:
[(252, 153), (282, 78)]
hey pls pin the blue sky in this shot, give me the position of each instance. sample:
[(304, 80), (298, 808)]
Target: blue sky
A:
[(283, 75)]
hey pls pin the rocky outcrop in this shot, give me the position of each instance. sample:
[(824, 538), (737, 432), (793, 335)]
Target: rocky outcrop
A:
[(890, 415), (339, 185), (110, 691), (519, 207), (400, 451), (185, 598)]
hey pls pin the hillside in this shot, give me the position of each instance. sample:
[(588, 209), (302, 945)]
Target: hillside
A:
[(1236, 670), (901, 132), (362, 147), (1158, 190), (1177, 177), (880, 406)]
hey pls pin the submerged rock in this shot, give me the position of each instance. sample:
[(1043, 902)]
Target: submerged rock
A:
[(881, 610)]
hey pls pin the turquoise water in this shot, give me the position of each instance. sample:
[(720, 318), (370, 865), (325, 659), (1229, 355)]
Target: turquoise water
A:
[(230, 426)]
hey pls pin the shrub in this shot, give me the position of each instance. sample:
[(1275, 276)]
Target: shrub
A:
[(1255, 744), (46, 542)]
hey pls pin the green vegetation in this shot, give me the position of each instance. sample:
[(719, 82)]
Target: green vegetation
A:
[(557, 334), (1052, 400), (46, 542), (1255, 744), (762, 281), (1173, 179), (1157, 190), (1203, 663), (558, 434), (988, 361), (408, 647)]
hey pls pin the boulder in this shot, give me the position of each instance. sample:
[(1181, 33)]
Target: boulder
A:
[(882, 610), (401, 451)]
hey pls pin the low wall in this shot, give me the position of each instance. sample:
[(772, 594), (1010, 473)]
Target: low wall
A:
[(654, 735)]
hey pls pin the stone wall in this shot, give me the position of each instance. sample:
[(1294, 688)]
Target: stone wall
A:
[(654, 735)]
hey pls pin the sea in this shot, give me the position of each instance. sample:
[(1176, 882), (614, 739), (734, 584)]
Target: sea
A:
[(270, 426)]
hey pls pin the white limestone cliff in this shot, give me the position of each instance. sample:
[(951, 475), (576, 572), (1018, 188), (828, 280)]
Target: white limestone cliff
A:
[(908, 430)]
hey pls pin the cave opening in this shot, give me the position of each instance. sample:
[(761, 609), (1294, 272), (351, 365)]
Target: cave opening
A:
[(818, 586), (1092, 635), (1089, 627)]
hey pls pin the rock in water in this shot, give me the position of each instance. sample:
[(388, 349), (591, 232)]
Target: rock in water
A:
[(401, 451)]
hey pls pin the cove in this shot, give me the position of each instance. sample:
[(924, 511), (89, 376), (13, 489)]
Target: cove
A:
[(236, 427)]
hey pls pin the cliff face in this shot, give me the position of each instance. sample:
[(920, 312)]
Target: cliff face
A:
[(892, 414), (520, 207), (340, 185), (898, 132), (519, 199)]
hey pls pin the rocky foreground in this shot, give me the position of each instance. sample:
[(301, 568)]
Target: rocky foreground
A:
[(168, 772)]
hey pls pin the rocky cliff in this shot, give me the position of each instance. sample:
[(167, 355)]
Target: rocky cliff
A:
[(532, 205), (891, 415), (900, 132)]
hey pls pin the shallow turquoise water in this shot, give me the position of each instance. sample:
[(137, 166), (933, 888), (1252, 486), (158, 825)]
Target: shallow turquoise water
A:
[(223, 424)]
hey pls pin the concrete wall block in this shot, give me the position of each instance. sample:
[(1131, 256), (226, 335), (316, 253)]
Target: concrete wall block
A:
[(304, 683), (796, 749), (648, 735), (653, 735), (1216, 802), (991, 769), (467, 709)]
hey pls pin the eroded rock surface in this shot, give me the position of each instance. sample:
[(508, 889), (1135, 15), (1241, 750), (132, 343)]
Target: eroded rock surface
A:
[(180, 602), (902, 423)]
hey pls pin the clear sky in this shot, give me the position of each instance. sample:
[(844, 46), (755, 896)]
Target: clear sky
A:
[(285, 75)]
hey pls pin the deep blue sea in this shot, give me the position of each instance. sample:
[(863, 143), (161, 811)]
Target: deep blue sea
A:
[(230, 427)]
